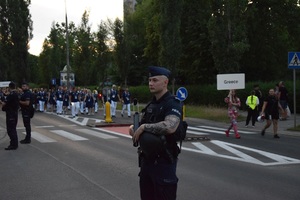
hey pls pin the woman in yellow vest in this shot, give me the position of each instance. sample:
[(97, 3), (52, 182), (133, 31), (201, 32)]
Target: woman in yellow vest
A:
[(252, 102)]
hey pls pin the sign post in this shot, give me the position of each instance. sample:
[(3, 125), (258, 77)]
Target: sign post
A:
[(182, 94), (294, 63)]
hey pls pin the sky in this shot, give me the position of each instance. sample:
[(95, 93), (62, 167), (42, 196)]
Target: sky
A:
[(45, 12)]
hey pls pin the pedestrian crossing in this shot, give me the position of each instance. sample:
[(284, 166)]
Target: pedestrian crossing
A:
[(81, 134), (213, 147), (207, 130)]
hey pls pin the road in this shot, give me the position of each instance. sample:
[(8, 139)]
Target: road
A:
[(69, 160)]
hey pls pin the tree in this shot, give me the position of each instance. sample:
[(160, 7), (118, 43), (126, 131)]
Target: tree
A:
[(227, 33), (83, 52), (102, 54), (16, 32)]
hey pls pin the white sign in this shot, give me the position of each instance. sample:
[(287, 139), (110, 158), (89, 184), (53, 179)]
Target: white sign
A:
[(4, 84), (230, 81)]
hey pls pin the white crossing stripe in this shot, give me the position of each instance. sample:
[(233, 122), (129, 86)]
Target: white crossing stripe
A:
[(41, 138), (44, 126), (96, 134), (238, 153), (205, 130), (68, 135), (222, 129)]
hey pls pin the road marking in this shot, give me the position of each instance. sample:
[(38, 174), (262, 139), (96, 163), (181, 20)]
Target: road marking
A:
[(44, 126), (202, 130), (68, 135), (41, 138), (96, 134), (238, 155), (223, 129), (113, 132)]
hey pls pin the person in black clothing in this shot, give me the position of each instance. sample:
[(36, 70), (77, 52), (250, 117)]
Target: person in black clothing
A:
[(11, 107), (158, 150), (26, 101), (258, 93), (270, 112), (283, 99)]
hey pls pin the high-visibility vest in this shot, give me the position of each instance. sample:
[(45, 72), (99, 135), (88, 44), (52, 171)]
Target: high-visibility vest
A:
[(254, 102)]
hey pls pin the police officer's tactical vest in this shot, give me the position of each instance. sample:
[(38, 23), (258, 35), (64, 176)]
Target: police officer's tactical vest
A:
[(154, 112)]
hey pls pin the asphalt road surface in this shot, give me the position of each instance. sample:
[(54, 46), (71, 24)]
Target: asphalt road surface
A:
[(69, 160)]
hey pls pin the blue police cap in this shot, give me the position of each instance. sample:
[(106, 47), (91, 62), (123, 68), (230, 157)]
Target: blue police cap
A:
[(158, 71)]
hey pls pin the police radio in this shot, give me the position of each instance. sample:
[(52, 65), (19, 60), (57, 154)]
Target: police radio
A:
[(136, 123)]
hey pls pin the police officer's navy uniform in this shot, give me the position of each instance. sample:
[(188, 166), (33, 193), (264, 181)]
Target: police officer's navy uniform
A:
[(11, 108), (158, 153), (26, 115)]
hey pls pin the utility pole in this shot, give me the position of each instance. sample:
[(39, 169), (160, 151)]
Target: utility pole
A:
[(67, 48)]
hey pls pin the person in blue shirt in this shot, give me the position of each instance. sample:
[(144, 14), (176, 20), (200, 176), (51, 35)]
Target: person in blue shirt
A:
[(74, 99), (59, 96), (114, 97), (126, 102)]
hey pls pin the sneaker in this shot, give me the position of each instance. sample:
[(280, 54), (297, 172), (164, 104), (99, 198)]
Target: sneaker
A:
[(25, 141), (227, 133), (263, 132), (276, 136), (253, 126), (246, 126), (237, 136)]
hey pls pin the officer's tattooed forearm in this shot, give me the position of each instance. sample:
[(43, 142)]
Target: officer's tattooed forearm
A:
[(167, 126)]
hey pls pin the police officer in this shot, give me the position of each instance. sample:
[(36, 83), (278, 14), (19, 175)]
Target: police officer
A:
[(11, 107), (26, 101), (158, 149)]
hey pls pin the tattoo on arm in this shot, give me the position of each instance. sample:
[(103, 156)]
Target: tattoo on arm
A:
[(168, 126)]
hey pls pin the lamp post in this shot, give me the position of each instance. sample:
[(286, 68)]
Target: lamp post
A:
[(67, 48)]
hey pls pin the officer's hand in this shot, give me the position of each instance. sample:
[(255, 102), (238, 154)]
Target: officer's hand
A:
[(131, 131), (137, 133)]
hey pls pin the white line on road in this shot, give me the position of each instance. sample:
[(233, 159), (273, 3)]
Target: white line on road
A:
[(68, 135), (96, 134)]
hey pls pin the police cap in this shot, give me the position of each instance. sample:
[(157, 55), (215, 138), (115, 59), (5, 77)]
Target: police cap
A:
[(158, 71)]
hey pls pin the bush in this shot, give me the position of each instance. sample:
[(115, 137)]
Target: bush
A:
[(208, 95)]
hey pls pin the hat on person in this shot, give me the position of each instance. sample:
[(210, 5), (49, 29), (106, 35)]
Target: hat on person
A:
[(158, 71)]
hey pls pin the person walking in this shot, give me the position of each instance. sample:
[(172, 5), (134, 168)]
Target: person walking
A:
[(59, 97), (252, 102), (158, 150), (26, 102), (233, 103), (42, 99), (126, 102), (270, 112), (89, 102), (114, 97), (11, 107), (283, 100), (74, 99)]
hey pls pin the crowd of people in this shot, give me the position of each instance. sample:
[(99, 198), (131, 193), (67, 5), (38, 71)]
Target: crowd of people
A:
[(272, 107), (77, 100)]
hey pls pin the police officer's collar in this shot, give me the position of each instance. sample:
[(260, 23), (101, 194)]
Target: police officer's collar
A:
[(167, 94)]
